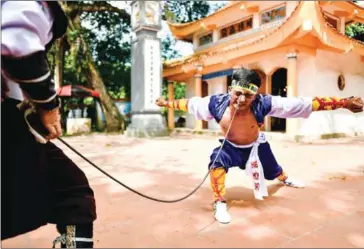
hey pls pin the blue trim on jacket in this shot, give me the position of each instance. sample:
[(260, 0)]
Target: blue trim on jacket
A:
[(261, 106)]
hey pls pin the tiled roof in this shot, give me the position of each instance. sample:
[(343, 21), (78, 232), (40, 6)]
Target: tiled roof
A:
[(198, 56), (343, 36), (258, 39)]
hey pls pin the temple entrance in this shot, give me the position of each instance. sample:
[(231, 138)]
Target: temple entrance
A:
[(205, 92), (279, 87), (262, 88), (228, 82)]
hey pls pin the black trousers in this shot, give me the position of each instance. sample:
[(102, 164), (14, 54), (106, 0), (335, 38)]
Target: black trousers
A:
[(39, 183)]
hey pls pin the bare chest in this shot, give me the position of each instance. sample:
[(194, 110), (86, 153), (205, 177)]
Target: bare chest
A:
[(244, 128)]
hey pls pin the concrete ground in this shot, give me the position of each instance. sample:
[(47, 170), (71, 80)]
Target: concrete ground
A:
[(328, 213)]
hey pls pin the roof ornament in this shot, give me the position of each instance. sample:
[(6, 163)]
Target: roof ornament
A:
[(199, 67), (324, 37), (307, 25), (348, 49), (355, 13)]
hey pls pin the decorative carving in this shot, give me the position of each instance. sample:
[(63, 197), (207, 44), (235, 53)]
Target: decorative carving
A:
[(145, 15), (341, 82), (199, 68), (152, 12), (292, 55), (135, 17)]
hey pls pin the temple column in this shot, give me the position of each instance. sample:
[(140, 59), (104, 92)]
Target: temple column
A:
[(170, 110), (342, 25), (256, 20), (198, 93), (292, 90)]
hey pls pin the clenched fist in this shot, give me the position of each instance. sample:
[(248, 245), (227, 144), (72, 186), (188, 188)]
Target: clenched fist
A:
[(355, 104), (161, 102), (51, 121)]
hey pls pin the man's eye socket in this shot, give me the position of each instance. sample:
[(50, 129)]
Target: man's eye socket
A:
[(248, 95)]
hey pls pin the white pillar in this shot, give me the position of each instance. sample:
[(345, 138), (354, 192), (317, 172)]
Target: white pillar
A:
[(292, 124)]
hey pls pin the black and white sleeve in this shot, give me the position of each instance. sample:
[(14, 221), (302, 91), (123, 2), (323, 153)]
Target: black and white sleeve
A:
[(26, 29)]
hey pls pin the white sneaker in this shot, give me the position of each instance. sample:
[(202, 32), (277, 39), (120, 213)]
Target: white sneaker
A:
[(291, 182), (220, 212)]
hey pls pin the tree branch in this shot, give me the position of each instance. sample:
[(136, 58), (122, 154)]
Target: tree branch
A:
[(103, 6)]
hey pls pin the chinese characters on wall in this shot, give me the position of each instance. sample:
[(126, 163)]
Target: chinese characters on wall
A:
[(152, 72), (237, 27)]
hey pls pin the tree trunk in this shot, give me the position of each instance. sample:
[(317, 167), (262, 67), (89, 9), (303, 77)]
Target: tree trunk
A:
[(113, 118), (59, 62)]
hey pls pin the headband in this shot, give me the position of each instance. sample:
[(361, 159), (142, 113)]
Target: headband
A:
[(250, 87)]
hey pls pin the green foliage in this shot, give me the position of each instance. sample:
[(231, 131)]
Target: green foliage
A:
[(217, 5), (185, 11), (73, 68), (88, 101), (179, 93), (168, 52), (105, 34), (51, 58), (108, 37), (356, 31)]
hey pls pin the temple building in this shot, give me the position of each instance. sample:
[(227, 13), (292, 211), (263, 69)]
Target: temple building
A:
[(299, 48)]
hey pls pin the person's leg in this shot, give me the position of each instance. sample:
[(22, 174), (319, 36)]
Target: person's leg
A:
[(72, 200), (75, 236), (23, 180), (220, 162), (272, 170)]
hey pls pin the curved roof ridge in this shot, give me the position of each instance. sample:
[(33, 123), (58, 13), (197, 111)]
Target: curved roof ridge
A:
[(336, 32), (356, 5), (197, 56)]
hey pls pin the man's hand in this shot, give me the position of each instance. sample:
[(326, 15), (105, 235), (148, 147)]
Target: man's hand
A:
[(161, 102), (51, 121), (355, 104)]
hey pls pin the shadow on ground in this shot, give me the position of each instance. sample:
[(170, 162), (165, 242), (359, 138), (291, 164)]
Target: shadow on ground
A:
[(328, 213)]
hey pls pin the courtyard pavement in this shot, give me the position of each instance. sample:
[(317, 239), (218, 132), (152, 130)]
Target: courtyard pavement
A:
[(328, 213)]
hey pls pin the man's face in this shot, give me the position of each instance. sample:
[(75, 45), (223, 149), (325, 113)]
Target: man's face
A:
[(241, 98)]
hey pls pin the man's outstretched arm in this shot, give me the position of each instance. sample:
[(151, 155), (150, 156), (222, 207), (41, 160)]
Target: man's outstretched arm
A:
[(302, 107), (354, 104), (197, 106)]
